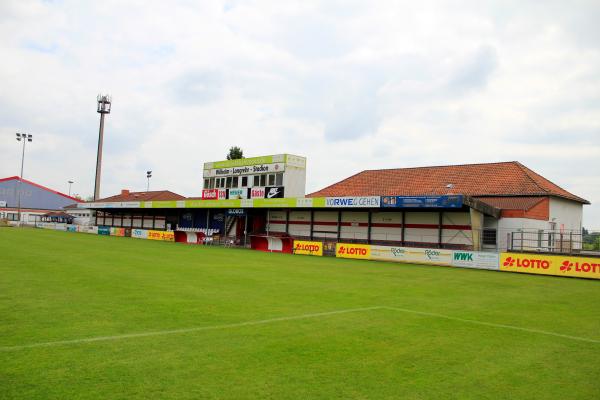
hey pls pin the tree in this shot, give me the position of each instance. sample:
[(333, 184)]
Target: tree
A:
[(235, 153)]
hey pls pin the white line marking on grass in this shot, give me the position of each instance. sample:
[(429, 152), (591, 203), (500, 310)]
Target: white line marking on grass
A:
[(291, 318), (186, 330), (494, 325)]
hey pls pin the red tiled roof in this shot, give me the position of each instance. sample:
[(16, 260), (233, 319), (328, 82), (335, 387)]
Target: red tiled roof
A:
[(492, 179), (157, 195), (512, 203)]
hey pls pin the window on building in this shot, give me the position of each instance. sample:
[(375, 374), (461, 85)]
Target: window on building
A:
[(211, 183), (540, 237), (228, 184), (234, 183), (279, 179), (263, 179), (256, 180), (244, 181), (489, 237), (206, 183), (271, 179)]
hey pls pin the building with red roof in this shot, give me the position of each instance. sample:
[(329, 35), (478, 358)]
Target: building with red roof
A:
[(33, 199)]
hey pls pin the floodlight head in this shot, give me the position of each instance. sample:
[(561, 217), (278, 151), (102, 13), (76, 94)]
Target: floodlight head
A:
[(148, 174), (104, 103), (30, 138), (19, 137)]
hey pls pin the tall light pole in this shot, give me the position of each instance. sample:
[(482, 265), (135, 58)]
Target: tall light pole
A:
[(24, 138), (70, 183), (104, 104), (148, 175)]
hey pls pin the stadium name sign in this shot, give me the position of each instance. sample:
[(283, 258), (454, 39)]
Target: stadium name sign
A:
[(369, 201), (245, 170)]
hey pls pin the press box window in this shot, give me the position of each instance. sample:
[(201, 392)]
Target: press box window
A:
[(256, 180), (271, 179), (263, 179), (279, 179), (244, 181), (234, 184), (228, 182)]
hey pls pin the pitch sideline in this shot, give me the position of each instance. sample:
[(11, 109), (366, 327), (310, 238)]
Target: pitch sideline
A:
[(292, 318)]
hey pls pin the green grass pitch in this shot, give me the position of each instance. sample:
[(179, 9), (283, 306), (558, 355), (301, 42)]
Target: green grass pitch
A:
[(170, 321)]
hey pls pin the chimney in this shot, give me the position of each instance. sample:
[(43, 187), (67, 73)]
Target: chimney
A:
[(125, 192)]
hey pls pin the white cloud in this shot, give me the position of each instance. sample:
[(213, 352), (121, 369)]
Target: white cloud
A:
[(351, 85)]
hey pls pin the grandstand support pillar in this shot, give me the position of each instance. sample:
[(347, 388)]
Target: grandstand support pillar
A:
[(403, 229), (369, 217), (440, 228), (287, 222), (207, 218), (339, 225), (312, 218), (476, 228), (246, 229)]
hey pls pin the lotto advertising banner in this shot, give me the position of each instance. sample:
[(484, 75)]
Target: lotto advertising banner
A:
[(476, 259), (579, 267), (359, 251), (161, 235), (412, 255), (308, 248)]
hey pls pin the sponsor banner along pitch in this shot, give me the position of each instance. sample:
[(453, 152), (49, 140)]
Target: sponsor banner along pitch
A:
[(579, 267), (308, 248)]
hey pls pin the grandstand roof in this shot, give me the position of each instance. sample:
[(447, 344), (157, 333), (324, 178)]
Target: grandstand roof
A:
[(156, 195), (477, 180)]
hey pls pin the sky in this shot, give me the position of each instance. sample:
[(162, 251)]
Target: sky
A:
[(351, 85)]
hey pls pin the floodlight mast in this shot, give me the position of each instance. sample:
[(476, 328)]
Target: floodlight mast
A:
[(25, 137), (148, 176), (104, 105)]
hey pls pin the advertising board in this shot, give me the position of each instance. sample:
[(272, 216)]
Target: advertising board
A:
[(350, 202), (257, 193), (237, 193), (274, 192), (580, 267), (308, 248), (236, 212), (167, 236), (117, 231), (446, 201), (348, 250), (103, 230), (412, 255), (475, 259), (139, 233), (210, 194)]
